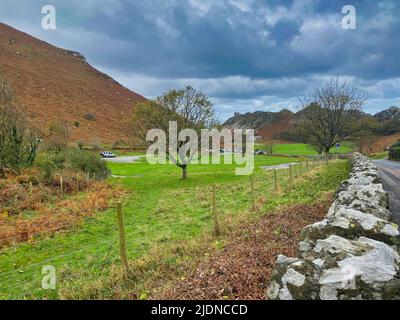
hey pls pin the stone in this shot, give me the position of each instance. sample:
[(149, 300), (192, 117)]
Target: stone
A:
[(350, 255), (355, 269), (351, 224)]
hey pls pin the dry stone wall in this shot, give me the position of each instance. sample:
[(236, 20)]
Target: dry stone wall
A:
[(353, 253)]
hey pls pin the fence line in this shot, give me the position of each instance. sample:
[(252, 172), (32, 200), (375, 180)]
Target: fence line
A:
[(16, 283), (98, 248), (39, 276), (42, 262)]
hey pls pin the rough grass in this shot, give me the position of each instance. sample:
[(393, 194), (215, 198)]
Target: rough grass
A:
[(307, 150), (158, 272), (167, 222)]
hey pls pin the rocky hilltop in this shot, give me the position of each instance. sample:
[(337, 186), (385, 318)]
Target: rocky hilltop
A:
[(393, 113), (277, 124)]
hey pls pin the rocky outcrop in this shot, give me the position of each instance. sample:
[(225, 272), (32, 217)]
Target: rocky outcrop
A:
[(352, 253)]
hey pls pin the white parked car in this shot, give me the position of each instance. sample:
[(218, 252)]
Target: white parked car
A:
[(107, 154)]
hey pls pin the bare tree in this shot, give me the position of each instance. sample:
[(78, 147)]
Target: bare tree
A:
[(188, 107), (330, 114), (57, 136), (365, 139), (269, 148)]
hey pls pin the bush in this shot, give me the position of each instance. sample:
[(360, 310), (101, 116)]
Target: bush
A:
[(396, 145), (50, 163), (80, 144), (89, 117), (96, 144), (19, 139), (87, 162), (118, 144), (72, 159), (58, 137), (394, 152)]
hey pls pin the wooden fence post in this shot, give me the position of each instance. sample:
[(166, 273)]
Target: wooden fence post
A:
[(217, 231), (61, 185), (276, 187), (307, 166), (77, 183), (290, 176), (30, 187), (122, 240), (253, 197), (300, 168)]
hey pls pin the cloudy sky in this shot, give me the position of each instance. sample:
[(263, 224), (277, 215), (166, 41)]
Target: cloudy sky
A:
[(246, 55)]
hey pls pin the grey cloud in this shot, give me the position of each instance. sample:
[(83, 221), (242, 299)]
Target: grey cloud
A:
[(237, 51)]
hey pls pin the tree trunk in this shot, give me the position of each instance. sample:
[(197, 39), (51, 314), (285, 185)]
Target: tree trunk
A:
[(184, 172)]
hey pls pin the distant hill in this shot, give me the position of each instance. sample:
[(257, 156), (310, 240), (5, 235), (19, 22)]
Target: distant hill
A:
[(57, 84), (393, 113), (277, 125), (266, 124), (390, 120)]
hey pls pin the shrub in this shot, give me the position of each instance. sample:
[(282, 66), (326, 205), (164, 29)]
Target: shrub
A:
[(396, 145), (19, 139), (57, 137), (72, 159), (87, 162), (80, 144), (118, 143), (394, 152), (50, 163), (89, 117), (96, 145)]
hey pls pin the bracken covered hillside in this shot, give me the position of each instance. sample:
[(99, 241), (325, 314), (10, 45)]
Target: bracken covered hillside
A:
[(56, 84)]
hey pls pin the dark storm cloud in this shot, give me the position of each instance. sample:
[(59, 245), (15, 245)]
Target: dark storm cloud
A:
[(262, 48)]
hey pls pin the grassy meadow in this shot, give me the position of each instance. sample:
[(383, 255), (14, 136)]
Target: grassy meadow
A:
[(168, 224), (304, 149)]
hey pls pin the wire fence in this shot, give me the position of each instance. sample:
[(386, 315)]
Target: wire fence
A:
[(21, 265)]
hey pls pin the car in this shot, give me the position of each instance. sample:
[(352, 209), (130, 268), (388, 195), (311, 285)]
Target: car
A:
[(107, 154), (260, 152)]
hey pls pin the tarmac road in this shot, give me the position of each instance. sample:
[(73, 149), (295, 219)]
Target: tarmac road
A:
[(127, 159), (390, 173)]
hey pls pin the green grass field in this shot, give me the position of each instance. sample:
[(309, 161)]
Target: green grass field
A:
[(161, 210), (303, 149)]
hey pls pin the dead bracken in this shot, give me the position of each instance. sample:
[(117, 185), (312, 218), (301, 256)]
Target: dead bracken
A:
[(242, 269)]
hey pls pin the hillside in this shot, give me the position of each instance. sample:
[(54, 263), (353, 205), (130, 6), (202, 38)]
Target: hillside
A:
[(276, 125), (57, 84), (266, 124), (393, 113)]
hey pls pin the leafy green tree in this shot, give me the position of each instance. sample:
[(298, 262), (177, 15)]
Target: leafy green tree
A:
[(190, 108)]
